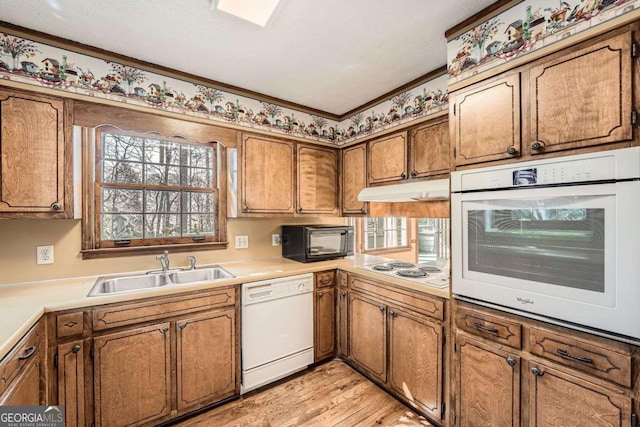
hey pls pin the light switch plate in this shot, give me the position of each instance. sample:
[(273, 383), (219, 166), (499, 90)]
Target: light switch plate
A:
[(44, 254), (242, 242), (275, 240)]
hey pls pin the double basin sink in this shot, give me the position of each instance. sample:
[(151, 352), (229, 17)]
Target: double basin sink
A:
[(129, 283)]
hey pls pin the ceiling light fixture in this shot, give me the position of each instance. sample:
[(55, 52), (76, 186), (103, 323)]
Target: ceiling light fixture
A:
[(256, 11)]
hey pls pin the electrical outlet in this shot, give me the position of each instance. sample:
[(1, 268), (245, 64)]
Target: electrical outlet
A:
[(275, 240), (242, 242), (44, 254)]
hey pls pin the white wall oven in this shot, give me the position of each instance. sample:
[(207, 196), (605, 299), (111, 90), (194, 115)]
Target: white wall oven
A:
[(557, 238)]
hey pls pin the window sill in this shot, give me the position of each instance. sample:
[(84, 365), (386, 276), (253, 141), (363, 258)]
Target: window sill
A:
[(150, 250), (382, 251)]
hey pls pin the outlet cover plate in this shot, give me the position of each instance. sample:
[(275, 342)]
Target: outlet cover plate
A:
[(275, 239), (242, 242), (44, 254)]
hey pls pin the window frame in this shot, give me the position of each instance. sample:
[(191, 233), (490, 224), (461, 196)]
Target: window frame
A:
[(362, 232), (89, 138)]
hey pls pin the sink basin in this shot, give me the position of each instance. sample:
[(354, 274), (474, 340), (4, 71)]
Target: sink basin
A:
[(121, 284), (199, 275)]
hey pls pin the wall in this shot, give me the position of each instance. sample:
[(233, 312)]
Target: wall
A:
[(20, 238)]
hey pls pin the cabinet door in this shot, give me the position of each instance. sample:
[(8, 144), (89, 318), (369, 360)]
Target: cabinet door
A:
[(416, 360), (71, 381), (34, 180), (582, 98), (342, 321), (267, 175), (557, 398), (387, 159), (317, 180), (25, 388), (367, 335), (354, 179), (324, 325), (206, 358), (485, 121), (429, 149), (488, 385), (132, 373)]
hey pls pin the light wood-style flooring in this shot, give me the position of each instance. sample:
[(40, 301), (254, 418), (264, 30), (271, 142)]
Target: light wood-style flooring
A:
[(332, 394)]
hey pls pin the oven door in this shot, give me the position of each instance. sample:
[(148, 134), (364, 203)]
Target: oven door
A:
[(569, 253)]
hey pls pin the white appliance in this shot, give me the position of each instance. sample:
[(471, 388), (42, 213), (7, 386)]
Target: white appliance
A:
[(420, 191), (557, 238), (421, 274), (277, 329)]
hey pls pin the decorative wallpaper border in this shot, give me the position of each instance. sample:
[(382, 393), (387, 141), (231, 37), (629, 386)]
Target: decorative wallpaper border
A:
[(523, 29), (39, 64)]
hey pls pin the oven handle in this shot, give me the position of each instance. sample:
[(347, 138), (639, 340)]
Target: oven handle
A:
[(480, 326), (564, 353)]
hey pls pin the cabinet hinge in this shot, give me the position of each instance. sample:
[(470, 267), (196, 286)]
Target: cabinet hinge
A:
[(444, 410), (453, 417), (295, 150), (634, 50), (93, 424), (454, 109), (634, 118), (91, 352), (634, 420), (455, 347), (55, 361), (454, 152)]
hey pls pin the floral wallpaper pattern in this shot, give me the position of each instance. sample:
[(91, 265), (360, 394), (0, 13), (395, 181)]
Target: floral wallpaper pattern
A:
[(524, 28), (39, 64)]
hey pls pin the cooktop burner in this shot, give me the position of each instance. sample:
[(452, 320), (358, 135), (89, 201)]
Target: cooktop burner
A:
[(411, 273), (400, 264), (382, 267), (429, 269)]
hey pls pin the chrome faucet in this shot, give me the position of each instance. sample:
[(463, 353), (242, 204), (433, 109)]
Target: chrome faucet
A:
[(192, 262), (164, 261)]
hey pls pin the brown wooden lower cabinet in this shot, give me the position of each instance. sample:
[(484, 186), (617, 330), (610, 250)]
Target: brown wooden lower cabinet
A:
[(25, 389), (342, 303), (324, 325), (368, 335), (71, 363)]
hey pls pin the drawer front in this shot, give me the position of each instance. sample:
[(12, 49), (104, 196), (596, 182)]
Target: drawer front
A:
[(589, 357), (27, 348), (494, 328), (113, 316), (430, 306), (325, 279), (70, 325)]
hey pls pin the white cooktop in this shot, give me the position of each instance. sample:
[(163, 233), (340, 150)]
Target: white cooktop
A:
[(423, 274)]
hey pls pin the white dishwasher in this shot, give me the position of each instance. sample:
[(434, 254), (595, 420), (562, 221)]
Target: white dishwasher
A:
[(277, 329)]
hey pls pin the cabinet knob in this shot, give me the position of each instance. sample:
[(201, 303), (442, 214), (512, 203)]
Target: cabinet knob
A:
[(363, 210), (393, 313), (184, 325), (55, 207), (536, 146), (320, 294), (344, 293), (75, 349), (382, 308), (165, 330), (414, 174), (299, 209), (537, 372), (511, 361), (245, 209), (403, 175), (511, 151)]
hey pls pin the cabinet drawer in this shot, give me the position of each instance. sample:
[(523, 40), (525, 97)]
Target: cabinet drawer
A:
[(325, 279), (113, 316), (70, 324), (26, 349), (590, 357), (494, 328), (403, 298)]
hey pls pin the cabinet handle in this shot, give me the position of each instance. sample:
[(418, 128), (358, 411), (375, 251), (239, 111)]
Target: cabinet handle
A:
[(382, 308), (537, 372), (184, 325), (320, 294), (393, 313), (344, 293), (363, 210), (55, 207), (403, 175), (245, 209), (165, 330), (75, 349), (536, 146), (563, 353), (484, 328), (511, 150), (29, 352), (299, 209), (325, 280), (511, 361), (414, 174)]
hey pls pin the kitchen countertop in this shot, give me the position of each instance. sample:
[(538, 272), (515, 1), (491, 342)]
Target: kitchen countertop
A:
[(21, 305)]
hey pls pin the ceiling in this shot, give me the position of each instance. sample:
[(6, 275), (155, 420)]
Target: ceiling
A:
[(331, 55)]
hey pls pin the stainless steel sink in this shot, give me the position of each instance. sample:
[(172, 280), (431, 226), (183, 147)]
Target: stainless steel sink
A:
[(121, 284)]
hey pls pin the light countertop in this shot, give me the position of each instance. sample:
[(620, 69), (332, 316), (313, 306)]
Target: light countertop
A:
[(21, 305)]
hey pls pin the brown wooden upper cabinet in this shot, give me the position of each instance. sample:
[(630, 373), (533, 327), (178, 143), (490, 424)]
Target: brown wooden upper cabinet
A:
[(354, 179), (485, 121), (387, 159), (429, 152), (35, 156), (317, 180), (582, 98), (267, 183)]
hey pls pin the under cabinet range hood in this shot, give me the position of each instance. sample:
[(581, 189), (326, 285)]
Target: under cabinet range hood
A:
[(421, 191)]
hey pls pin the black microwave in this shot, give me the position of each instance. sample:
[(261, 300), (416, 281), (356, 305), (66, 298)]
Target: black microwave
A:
[(309, 243)]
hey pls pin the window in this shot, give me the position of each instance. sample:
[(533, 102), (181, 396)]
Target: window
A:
[(150, 190), (385, 233)]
